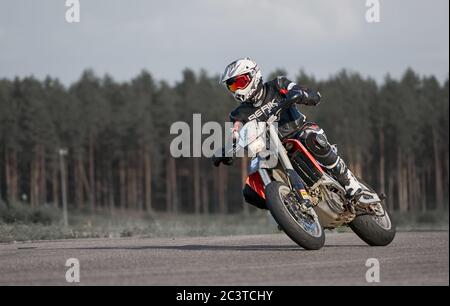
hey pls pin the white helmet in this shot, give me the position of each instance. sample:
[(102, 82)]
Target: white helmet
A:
[(243, 78)]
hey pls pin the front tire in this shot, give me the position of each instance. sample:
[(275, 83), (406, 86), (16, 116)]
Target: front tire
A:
[(314, 240)]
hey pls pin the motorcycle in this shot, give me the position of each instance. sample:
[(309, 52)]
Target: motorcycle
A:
[(302, 197)]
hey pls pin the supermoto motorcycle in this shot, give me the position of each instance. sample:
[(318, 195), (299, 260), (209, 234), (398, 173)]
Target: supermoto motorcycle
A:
[(302, 197)]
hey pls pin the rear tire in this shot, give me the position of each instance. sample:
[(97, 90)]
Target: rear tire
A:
[(373, 230), (287, 222)]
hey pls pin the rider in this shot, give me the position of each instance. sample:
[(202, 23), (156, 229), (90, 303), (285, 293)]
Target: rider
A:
[(243, 79)]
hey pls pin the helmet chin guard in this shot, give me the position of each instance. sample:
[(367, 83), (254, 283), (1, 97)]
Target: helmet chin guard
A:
[(242, 67)]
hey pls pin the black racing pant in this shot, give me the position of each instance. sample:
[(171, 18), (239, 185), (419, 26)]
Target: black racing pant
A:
[(315, 140)]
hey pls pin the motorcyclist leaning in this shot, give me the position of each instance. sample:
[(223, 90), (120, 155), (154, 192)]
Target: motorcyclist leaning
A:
[(243, 79)]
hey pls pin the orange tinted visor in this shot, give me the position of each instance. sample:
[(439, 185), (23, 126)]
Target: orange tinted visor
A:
[(238, 82)]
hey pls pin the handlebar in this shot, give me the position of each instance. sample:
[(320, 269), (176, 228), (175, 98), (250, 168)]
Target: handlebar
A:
[(272, 117), (286, 103)]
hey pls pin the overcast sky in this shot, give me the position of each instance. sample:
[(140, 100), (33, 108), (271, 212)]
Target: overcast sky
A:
[(122, 37)]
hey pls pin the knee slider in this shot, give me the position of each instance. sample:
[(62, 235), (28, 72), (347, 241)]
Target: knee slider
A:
[(321, 149), (317, 143)]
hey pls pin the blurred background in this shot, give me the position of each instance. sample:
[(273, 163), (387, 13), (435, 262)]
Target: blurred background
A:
[(85, 108)]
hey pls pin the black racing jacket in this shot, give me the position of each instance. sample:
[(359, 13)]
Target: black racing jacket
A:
[(274, 92)]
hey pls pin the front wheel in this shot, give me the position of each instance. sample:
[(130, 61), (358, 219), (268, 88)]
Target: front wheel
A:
[(301, 227)]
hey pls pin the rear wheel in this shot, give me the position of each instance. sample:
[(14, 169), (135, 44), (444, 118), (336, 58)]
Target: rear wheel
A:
[(300, 226), (374, 229)]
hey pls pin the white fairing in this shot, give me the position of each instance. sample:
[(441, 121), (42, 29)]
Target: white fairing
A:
[(239, 67), (251, 137)]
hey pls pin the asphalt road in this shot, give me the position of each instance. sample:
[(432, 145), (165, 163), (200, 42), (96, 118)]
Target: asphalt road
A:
[(414, 258)]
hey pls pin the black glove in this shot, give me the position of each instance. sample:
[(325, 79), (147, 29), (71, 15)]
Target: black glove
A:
[(295, 96), (220, 158)]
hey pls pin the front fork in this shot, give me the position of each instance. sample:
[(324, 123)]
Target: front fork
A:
[(296, 182)]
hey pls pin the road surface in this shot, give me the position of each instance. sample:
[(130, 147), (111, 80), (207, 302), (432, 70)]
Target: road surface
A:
[(414, 258)]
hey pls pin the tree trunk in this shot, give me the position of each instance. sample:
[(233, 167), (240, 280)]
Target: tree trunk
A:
[(130, 203), (91, 173), (36, 177), (447, 178), (405, 189), (437, 173), (33, 184), (55, 186), (169, 195), (382, 165), (8, 178), (148, 179), (409, 190), (140, 181), (105, 185), (418, 188), (131, 191), (400, 182), (1, 176), (173, 183), (64, 166), (15, 177), (391, 200), (423, 194), (78, 178), (110, 189), (429, 182), (136, 186), (98, 191), (171, 187), (205, 195), (215, 195), (122, 183), (222, 188), (358, 164), (196, 178), (414, 184), (42, 199)]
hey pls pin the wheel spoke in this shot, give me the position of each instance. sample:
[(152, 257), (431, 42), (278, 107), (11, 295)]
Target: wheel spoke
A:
[(303, 219)]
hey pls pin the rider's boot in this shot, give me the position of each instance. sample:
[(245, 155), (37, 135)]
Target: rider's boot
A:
[(346, 178)]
